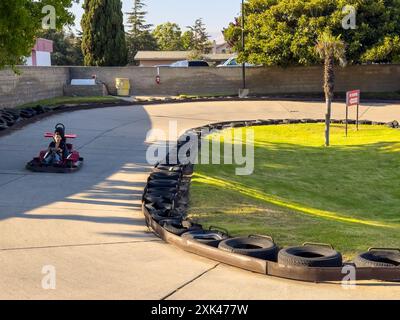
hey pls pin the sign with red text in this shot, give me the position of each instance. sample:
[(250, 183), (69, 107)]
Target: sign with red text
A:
[(353, 98)]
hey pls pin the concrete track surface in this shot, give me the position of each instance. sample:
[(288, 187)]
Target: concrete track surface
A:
[(89, 226)]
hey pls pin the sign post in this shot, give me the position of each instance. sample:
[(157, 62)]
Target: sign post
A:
[(352, 99), (158, 77)]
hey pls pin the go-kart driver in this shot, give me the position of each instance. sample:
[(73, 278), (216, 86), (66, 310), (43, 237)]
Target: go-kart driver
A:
[(57, 150)]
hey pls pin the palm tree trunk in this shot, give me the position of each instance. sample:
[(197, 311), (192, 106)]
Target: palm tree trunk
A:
[(329, 85), (328, 121)]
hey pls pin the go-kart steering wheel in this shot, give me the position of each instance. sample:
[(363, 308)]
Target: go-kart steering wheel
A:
[(60, 125)]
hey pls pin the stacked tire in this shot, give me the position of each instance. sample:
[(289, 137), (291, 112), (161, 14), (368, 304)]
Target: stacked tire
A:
[(166, 197), (10, 116)]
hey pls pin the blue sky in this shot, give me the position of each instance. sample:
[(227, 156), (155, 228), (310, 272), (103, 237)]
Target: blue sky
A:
[(215, 13)]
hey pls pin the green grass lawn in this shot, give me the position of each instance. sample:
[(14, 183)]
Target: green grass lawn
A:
[(53, 102), (347, 195)]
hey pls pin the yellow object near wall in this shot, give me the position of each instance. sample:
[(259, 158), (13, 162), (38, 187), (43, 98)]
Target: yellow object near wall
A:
[(123, 86)]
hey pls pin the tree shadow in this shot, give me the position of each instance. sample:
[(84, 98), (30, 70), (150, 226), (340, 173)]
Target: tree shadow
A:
[(109, 182)]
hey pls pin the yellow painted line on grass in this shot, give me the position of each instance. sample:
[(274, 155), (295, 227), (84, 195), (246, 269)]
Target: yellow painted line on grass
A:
[(256, 194)]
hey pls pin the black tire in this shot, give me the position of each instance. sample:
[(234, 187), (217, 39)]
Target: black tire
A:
[(14, 112), (378, 259), (3, 124), (393, 124), (165, 176), (27, 113), (8, 119), (257, 247), (208, 237), (9, 114), (164, 215), (149, 198), (163, 183), (310, 256), (308, 121), (39, 109), (177, 227), (166, 168), (70, 164), (151, 209)]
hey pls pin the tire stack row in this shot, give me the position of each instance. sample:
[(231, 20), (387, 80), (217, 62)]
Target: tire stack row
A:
[(166, 199), (9, 117)]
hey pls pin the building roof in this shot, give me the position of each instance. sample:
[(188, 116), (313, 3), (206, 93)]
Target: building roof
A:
[(176, 55), (161, 55)]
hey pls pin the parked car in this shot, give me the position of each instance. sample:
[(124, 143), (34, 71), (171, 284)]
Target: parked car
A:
[(189, 64), (232, 63)]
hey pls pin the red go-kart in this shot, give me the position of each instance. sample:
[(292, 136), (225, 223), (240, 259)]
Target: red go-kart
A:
[(71, 162)]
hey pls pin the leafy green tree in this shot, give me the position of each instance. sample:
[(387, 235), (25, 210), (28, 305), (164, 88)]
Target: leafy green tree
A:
[(168, 36), (199, 37), (284, 32), (329, 48), (103, 41), (21, 20), (67, 47), (139, 36), (187, 40)]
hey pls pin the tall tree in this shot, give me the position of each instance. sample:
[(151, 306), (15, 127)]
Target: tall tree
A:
[(139, 36), (168, 36), (103, 41), (187, 40), (329, 48), (21, 20), (200, 37)]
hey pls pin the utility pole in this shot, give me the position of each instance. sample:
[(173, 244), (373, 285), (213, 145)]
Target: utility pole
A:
[(243, 46)]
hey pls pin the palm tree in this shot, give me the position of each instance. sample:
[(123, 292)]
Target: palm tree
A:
[(330, 48)]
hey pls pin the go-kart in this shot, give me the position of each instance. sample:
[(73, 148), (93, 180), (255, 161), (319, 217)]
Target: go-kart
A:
[(70, 163)]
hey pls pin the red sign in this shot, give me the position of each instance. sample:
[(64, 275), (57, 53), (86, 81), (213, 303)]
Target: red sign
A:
[(158, 79), (353, 98)]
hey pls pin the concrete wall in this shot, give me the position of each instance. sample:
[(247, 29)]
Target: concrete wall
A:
[(372, 78), (34, 83), (41, 83)]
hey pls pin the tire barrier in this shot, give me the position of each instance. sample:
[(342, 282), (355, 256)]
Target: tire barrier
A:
[(3, 124), (212, 237), (311, 255), (11, 116), (165, 205), (387, 258), (254, 246)]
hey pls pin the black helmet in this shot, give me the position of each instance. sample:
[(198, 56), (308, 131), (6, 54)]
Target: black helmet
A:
[(60, 129)]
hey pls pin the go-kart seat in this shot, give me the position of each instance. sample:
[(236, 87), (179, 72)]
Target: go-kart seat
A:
[(69, 147)]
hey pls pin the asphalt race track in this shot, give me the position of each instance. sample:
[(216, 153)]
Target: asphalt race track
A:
[(89, 225)]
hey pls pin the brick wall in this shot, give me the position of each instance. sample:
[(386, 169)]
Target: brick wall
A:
[(34, 83), (371, 78)]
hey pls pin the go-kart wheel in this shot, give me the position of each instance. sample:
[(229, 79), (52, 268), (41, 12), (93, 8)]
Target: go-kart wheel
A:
[(70, 164)]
